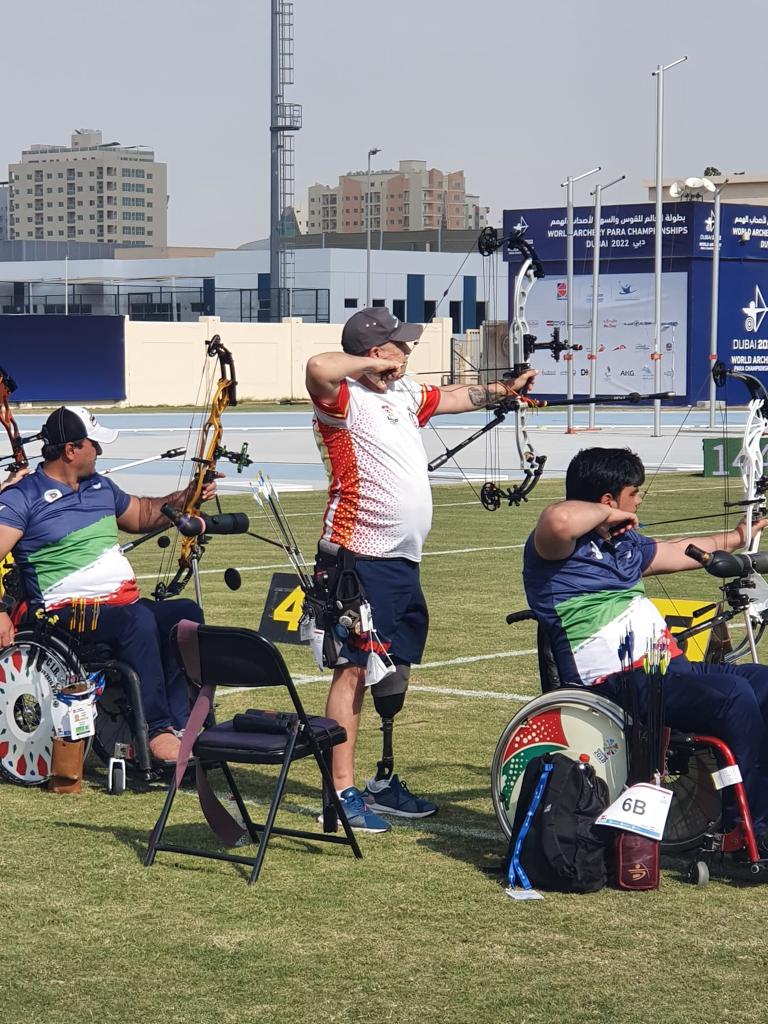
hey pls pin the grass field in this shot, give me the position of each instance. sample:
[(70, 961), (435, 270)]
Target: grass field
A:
[(419, 930)]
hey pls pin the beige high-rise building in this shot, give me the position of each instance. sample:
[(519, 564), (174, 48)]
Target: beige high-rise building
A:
[(412, 198), (90, 191)]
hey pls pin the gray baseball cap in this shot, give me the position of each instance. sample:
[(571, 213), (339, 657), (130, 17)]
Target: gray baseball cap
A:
[(370, 327)]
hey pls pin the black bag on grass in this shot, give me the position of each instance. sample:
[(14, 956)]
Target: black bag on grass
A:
[(561, 849)]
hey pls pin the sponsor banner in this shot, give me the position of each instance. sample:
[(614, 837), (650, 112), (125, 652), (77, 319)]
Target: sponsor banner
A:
[(627, 231), (625, 333), (743, 231), (742, 321)]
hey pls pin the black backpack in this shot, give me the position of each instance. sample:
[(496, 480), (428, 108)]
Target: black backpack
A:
[(554, 840)]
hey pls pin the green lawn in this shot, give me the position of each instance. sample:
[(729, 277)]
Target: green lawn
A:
[(419, 930)]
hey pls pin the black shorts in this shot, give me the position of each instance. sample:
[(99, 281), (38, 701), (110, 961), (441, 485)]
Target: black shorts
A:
[(400, 615)]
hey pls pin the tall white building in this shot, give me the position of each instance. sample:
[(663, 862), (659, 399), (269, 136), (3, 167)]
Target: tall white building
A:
[(90, 191)]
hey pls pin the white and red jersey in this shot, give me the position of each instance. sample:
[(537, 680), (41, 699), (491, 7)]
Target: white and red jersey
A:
[(380, 502)]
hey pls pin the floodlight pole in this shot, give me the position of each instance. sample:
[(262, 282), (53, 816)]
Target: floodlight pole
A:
[(568, 186), (595, 290), (715, 302), (659, 236), (371, 152)]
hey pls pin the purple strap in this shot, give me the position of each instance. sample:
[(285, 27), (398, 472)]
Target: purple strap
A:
[(218, 817)]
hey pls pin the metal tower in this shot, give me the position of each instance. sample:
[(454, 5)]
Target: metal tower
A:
[(285, 119)]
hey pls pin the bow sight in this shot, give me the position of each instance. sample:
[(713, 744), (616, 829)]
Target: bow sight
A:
[(522, 344)]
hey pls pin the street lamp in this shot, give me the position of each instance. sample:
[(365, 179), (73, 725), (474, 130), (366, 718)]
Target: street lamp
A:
[(694, 188), (371, 152), (568, 186), (658, 74)]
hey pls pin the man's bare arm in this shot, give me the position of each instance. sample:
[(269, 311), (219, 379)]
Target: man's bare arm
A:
[(144, 514), (466, 397), (561, 525), (326, 371)]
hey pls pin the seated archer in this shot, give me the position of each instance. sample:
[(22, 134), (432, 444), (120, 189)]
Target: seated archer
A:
[(62, 524), (583, 570)]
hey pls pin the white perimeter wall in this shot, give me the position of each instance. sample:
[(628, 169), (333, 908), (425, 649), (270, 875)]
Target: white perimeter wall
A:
[(164, 361)]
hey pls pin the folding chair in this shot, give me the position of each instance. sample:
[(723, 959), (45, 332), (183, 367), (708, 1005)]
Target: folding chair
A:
[(214, 656)]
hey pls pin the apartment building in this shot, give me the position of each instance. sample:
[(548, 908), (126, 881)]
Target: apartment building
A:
[(90, 191), (4, 200), (411, 198)]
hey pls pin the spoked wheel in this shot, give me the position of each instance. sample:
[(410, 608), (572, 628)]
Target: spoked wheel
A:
[(696, 805), (580, 723), (30, 675)]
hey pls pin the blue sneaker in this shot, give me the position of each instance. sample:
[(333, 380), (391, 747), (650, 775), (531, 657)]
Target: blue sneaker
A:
[(358, 815), (391, 796)]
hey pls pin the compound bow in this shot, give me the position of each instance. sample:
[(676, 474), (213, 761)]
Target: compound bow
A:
[(522, 345), (753, 588), (209, 451), (7, 387)]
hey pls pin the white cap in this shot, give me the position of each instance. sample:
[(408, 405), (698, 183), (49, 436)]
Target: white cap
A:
[(75, 423)]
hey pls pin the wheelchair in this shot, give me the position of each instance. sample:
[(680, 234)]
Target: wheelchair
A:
[(579, 723), (33, 669)]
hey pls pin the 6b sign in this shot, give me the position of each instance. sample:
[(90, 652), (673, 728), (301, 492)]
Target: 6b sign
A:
[(282, 610)]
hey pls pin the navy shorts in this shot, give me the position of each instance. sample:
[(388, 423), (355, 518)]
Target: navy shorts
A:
[(400, 615)]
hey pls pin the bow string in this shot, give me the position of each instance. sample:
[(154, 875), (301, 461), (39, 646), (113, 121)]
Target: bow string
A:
[(209, 451), (522, 345), (7, 388), (753, 589)]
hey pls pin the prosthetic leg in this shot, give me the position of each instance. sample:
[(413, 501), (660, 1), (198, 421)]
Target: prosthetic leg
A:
[(388, 699)]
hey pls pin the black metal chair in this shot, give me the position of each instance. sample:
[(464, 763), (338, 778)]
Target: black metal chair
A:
[(214, 656)]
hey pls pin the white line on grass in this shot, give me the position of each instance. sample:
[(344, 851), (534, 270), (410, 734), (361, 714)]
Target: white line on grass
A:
[(427, 554), (302, 680)]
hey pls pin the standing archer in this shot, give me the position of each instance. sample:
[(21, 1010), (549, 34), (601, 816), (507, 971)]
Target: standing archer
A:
[(367, 420)]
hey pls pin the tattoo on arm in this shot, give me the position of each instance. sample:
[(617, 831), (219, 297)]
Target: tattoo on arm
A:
[(480, 396)]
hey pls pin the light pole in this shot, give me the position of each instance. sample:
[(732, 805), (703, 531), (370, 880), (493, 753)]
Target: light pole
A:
[(371, 152), (568, 185), (599, 189), (658, 74), (692, 188)]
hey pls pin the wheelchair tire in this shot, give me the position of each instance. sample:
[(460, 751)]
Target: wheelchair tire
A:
[(571, 722), (696, 806), (114, 727), (30, 673), (576, 722)]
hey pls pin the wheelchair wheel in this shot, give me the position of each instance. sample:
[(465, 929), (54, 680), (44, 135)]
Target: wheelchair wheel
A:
[(114, 726), (576, 722), (571, 722), (696, 805), (30, 674)]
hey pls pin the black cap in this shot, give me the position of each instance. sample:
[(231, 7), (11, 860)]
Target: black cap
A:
[(371, 327), (75, 423)]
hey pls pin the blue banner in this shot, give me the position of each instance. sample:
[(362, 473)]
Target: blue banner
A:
[(61, 359), (627, 231)]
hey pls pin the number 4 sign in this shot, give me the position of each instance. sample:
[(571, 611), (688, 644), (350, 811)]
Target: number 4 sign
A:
[(282, 610), (641, 808)]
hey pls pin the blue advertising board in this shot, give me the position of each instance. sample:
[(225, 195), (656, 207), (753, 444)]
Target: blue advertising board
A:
[(626, 232), (628, 235), (60, 359)]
